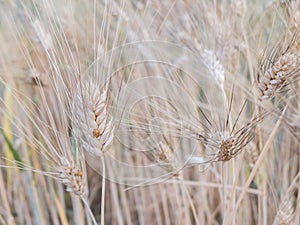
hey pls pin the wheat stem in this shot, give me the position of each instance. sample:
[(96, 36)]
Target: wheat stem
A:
[(103, 191), (89, 210), (259, 161)]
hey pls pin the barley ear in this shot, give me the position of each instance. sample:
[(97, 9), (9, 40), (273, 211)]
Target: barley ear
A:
[(285, 213), (93, 123), (73, 177), (279, 70)]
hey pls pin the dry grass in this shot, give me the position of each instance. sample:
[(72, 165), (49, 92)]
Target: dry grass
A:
[(149, 112)]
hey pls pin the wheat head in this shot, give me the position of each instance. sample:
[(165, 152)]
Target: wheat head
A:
[(92, 120)]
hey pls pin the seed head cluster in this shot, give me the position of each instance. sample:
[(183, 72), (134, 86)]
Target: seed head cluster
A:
[(278, 75), (227, 149), (73, 177), (93, 122)]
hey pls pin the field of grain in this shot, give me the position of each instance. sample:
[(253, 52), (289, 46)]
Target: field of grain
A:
[(138, 112)]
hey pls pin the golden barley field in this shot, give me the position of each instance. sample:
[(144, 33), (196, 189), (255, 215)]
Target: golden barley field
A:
[(143, 112)]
